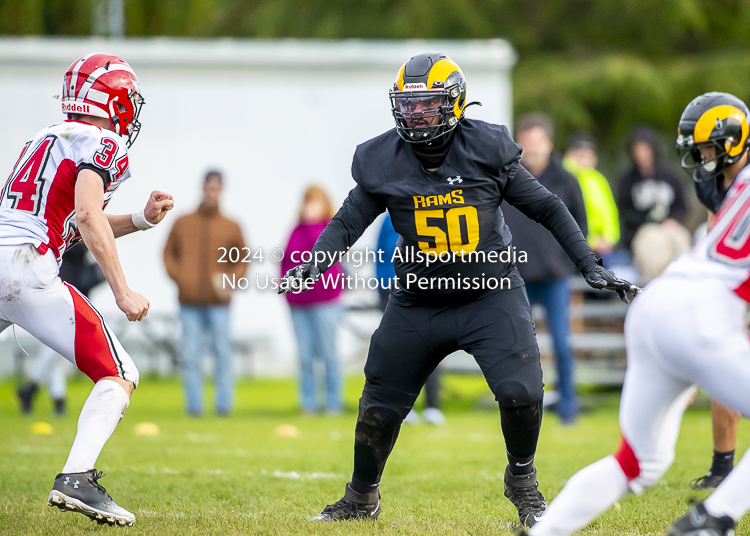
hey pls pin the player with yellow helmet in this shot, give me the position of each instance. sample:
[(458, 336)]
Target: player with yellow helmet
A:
[(715, 124), (713, 135), (687, 329), (428, 98), (442, 178)]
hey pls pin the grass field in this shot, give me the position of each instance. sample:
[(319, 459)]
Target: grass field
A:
[(236, 475)]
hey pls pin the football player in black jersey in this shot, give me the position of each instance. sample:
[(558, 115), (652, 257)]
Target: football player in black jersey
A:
[(442, 178)]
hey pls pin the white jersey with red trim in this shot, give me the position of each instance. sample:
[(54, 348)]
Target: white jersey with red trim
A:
[(38, 200), (723, 255)]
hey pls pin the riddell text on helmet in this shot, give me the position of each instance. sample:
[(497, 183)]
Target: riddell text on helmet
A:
[(74, 107)]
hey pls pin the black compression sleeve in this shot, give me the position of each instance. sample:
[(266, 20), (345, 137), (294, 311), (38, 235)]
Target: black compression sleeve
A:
[(525, 193), (99, 171), (356, 214)]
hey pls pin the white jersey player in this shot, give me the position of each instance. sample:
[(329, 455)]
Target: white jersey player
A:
[(687, 328), (55, 196)]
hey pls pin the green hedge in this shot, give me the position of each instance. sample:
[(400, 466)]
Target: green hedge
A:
[(608, 94)]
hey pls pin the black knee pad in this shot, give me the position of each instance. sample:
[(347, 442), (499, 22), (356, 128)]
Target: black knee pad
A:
[(378, 416), (514, 394), (383, 408)]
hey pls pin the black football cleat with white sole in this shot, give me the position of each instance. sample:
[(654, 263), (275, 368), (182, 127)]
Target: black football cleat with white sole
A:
[(523, 493), (352, 506), (82, 493), (698, 522)]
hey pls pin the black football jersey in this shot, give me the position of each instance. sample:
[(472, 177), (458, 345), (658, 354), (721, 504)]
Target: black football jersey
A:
[(454, 243)]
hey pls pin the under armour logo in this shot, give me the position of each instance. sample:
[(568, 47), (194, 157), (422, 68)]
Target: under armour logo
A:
[(453, 180), (67, 482)]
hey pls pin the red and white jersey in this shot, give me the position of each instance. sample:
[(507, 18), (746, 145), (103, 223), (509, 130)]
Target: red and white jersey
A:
[(723, 255), (38, 200)]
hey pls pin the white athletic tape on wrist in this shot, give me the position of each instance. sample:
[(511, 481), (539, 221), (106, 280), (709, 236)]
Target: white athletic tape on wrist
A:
[(140, 221)]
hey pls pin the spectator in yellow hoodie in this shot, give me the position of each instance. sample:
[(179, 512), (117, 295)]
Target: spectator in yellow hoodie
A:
[(601, 211)]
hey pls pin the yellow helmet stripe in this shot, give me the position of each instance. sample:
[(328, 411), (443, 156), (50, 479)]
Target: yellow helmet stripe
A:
[(400, 78), (707, 122), (441, 71)]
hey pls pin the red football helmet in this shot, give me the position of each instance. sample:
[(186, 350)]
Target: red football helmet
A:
[(104, 85)]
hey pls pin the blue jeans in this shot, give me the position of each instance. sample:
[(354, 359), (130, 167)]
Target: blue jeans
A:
[(554, 296), (197, 322), (316, 327)]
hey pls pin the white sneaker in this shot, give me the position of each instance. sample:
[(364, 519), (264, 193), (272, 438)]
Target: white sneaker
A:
[(434, 416), (412, 418)]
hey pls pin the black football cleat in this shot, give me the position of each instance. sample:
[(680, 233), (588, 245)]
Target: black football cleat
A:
[(26, 397), (708, 481), (698, 522), (82, 493), (352, 506), (523, 493)]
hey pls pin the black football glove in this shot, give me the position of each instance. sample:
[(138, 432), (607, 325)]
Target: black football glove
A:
[(600, 278), (299, 279)]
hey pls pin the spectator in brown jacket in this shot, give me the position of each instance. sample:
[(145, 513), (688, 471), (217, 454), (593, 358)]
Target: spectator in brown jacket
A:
[(196, 260)]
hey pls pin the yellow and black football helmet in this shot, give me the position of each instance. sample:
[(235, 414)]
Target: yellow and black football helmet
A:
[(717, 120), (428, 98)]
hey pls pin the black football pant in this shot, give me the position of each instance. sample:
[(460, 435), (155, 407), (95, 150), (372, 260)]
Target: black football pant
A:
[(497, 329), (432, 384)]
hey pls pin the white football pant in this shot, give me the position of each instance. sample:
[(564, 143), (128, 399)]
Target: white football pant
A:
[(679, 332), (35, 298)]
